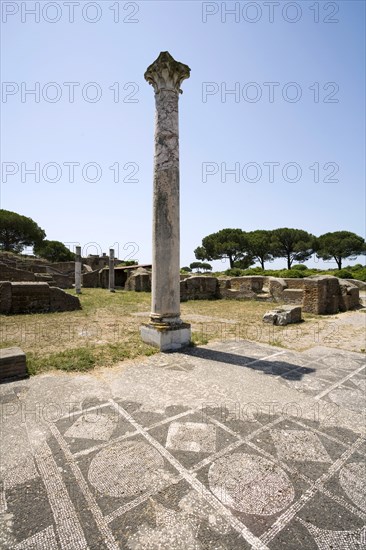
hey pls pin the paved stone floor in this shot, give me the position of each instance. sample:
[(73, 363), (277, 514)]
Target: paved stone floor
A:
[(233, 445)]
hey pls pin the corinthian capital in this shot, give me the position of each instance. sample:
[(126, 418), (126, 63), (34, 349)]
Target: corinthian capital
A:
[(166, 73)]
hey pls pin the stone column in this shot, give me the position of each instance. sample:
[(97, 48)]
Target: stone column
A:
[(78, 270), (166, 329), (111, 270)]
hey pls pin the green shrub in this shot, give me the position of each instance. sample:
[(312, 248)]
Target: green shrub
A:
[(235, 272), (254, 271), (300, 267), (290, 274), (360, 274), (343, 274)]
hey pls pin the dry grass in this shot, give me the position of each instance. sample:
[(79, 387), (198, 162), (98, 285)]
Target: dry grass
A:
[(106, 330)]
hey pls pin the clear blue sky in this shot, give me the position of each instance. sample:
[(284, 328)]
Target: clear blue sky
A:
[(325, 126)]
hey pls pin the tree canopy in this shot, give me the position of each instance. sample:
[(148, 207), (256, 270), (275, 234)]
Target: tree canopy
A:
[(227, 243), (260, 246), (17, 232), (54, 251), (200, 265), (339, 245), (292, 244)]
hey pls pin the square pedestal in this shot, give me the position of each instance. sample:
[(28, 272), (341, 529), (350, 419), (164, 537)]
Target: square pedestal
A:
[(166, 338)]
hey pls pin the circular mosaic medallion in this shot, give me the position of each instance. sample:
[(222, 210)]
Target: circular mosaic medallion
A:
[(125, 469), (250, 484)]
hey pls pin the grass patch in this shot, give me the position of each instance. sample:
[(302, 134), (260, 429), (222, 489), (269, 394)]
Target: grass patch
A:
[(106, 330)]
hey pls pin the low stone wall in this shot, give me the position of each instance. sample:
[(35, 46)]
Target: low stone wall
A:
[(241, 287), (31, 297), (64, 267), (199, 288), (62, 280), (210, 288), (91, 279), (8, 273)]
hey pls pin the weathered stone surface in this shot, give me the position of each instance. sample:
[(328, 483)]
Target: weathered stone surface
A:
[(167, 338), (241, 287), (166, 76), (283, 316), (29, 297), (293, 295), (91, 279), (276, 287), (12, 364), (5, 297), (321, 295), (199, 288), (62, 301), (8, 273), (350, 295), (139, 280), (361, 285), (317, 294)]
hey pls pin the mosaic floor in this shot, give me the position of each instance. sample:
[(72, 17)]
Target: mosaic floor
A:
[(169, 456)]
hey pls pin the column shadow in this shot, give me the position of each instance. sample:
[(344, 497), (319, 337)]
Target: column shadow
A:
[(284, 369)]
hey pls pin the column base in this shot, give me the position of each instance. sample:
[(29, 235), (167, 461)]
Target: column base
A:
[(165, 337)]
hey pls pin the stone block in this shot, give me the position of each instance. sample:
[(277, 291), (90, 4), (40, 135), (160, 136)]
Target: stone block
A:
[(61, 301), (350, 295), (276, 287), (167, 338), (322, 295), (139, 281), (283, 316), (293, 296), (12, 364)]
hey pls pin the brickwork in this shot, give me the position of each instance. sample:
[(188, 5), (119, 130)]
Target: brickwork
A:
[(31, 297)]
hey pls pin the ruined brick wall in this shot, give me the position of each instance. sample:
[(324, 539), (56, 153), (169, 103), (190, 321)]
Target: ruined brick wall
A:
[(293, 296), (63, 267), (5, 297), (8, 273), (62, 280), (328, 295), (30, 297), (320, 295), (91, 279), (294, 283), (199, 288)]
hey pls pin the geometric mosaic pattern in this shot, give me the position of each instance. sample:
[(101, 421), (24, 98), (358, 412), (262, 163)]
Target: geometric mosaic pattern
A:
[(113, 476), (191, 436), (345, 540), (300, 445), (93, 426)]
